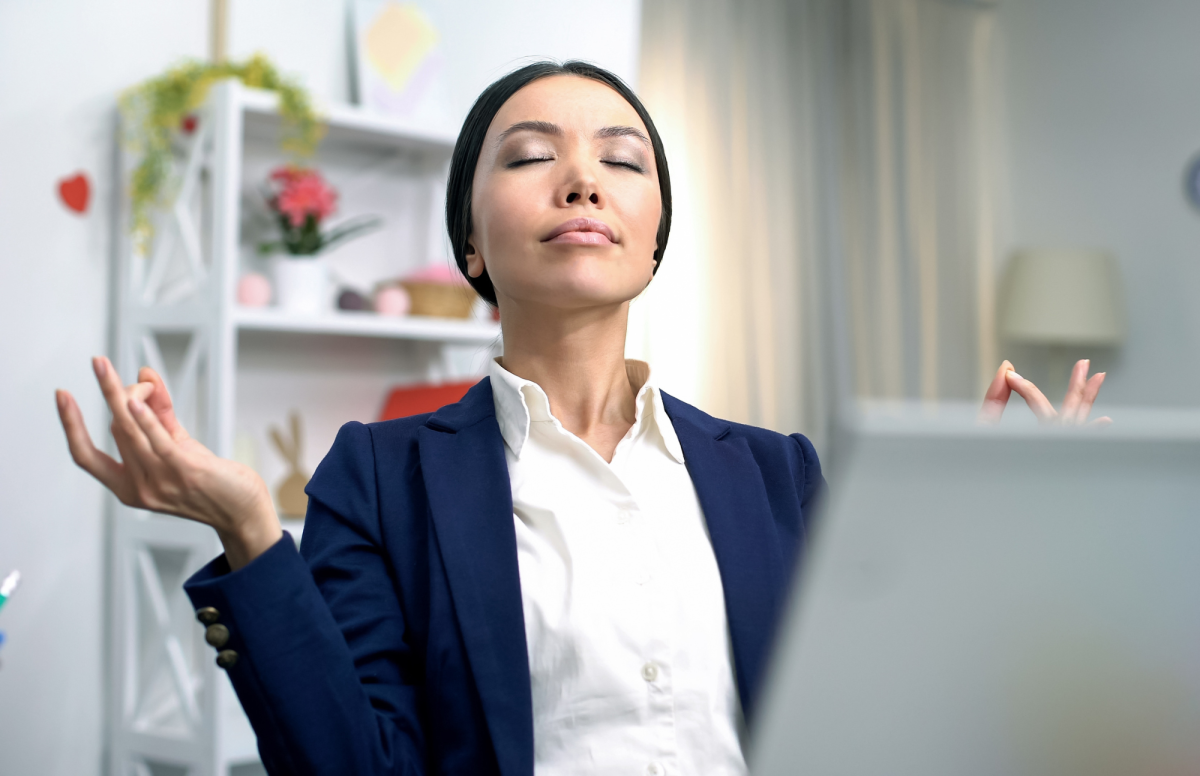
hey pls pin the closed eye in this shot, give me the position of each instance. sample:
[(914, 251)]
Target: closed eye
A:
[(620, 163), (529, 160)]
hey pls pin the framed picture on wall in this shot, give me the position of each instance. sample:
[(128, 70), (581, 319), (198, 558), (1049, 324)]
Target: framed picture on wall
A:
[(399, 62)]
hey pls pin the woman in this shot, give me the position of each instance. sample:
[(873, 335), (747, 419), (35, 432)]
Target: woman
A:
[(568, 571)]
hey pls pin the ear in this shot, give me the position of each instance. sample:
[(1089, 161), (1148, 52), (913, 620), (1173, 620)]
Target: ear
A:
[(475, 262)]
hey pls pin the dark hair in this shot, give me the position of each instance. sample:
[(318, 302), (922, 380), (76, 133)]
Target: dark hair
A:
[(470, 141)]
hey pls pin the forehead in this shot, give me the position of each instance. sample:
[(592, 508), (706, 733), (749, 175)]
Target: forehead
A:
[(570, 101)]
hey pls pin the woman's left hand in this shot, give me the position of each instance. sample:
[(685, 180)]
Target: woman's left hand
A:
[(1076, 406)]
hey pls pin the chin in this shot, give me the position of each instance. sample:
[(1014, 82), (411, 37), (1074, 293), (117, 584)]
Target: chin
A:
[(581, 293), (579, 281)]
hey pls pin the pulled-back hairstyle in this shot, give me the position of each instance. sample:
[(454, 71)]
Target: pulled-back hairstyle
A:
[(470, 142)]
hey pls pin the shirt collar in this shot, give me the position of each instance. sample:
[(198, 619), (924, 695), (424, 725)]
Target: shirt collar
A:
[(520, 401)]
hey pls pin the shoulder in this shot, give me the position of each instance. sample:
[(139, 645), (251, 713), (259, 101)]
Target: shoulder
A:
[(359, 443), (779, 456), (397, 431), (783, 457), (756, 437), (348, 472), (388, 444)]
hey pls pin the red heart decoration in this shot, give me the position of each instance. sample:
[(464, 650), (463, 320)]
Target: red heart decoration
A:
[(75, 192)]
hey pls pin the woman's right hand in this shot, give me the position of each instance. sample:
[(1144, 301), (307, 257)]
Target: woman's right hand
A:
[(164, 469)]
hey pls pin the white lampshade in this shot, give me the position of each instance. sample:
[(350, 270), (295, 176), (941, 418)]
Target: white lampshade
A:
[(1062, 297)]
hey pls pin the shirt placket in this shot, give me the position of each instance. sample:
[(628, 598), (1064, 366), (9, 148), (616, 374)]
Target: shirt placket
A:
[(656, 627)]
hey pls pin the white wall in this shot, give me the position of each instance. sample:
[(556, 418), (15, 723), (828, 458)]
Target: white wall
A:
[(62, 63), (485, 39), (1103, 99)]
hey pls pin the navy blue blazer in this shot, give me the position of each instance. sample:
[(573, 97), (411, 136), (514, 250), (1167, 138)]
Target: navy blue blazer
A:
[(394, 641)]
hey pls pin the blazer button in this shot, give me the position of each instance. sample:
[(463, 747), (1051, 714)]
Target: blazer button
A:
[(217, 635), (207, 615), (226, 659)]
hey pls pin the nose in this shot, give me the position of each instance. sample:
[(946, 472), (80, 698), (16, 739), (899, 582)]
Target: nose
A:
[(580, 184), (574, 196)]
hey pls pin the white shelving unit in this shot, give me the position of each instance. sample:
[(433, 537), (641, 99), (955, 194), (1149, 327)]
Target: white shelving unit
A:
[(172, 711), (409, 327)]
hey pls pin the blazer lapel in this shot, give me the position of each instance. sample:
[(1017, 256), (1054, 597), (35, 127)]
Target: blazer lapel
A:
[(734, 501), (470, 497)]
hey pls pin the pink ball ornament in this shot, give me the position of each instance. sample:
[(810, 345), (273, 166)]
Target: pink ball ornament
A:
[(254, 290), (392, 300)]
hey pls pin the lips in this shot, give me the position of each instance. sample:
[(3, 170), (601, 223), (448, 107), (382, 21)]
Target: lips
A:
[(576, 229)]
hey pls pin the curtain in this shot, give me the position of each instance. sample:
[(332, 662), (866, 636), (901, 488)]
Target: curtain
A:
[(835, 208), (919, 196), (733, 321)]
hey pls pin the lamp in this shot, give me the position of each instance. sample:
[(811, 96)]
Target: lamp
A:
[(1061, 298)]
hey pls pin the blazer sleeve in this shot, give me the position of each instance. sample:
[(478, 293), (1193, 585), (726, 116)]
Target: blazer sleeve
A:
[(809, 488), (810, 482), (323, 670)]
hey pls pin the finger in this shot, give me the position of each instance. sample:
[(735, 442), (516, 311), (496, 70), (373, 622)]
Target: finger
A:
[(1074, 393), (100, 465), (1038, 403), (996, 397), (156, 434), (114, 396), (1090, 391), (139, 390), (160, 401), (131, 440), (1101, 422)]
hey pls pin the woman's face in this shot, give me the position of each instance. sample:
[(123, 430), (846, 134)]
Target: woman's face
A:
[(565, 203)]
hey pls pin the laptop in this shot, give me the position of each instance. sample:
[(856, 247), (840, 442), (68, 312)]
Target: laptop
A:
[(1005, 600)]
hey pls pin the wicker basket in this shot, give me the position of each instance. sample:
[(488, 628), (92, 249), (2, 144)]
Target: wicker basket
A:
[(440, 299)]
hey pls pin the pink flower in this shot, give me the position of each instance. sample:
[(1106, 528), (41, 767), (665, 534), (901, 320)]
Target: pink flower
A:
[(302, 193)]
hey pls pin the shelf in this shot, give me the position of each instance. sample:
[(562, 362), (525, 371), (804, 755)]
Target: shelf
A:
[(353, 324), (350, 124), (175, 310)]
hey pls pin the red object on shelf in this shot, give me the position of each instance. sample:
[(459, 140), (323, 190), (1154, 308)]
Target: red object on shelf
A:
[(415, 399)]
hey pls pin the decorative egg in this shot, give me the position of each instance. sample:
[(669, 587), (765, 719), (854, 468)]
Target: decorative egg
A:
[(254, 290), (392, 301), (350, 299)]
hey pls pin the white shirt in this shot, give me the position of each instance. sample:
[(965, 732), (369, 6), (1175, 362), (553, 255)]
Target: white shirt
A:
[(629, 651)]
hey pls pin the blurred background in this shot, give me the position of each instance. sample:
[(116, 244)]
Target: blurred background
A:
[(874, 199)]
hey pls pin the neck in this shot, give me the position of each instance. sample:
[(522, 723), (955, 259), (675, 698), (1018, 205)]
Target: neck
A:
[(578, 358)]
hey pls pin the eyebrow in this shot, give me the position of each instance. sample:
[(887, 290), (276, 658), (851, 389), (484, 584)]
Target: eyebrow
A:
[(547, 128), (542, 127), (621, 131)]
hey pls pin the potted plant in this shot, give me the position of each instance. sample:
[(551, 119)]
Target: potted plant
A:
[(161, 110), (300, 199)]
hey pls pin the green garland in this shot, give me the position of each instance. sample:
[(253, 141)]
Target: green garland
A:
[(155, 109)]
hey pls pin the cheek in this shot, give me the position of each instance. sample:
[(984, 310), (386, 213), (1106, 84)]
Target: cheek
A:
[(642, 206), (499, 215)]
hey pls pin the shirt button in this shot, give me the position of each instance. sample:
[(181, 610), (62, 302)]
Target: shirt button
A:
[(650, 673), (655, 769), (624, 516)]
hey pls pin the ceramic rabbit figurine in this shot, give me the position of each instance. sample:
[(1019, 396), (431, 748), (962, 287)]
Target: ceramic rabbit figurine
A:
[(290, 495)]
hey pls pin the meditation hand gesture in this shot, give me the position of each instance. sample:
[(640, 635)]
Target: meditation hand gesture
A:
[(1076, 406), (164, 469)]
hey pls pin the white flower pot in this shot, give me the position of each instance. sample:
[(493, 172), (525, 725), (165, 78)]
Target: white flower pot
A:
[(302, 285)]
